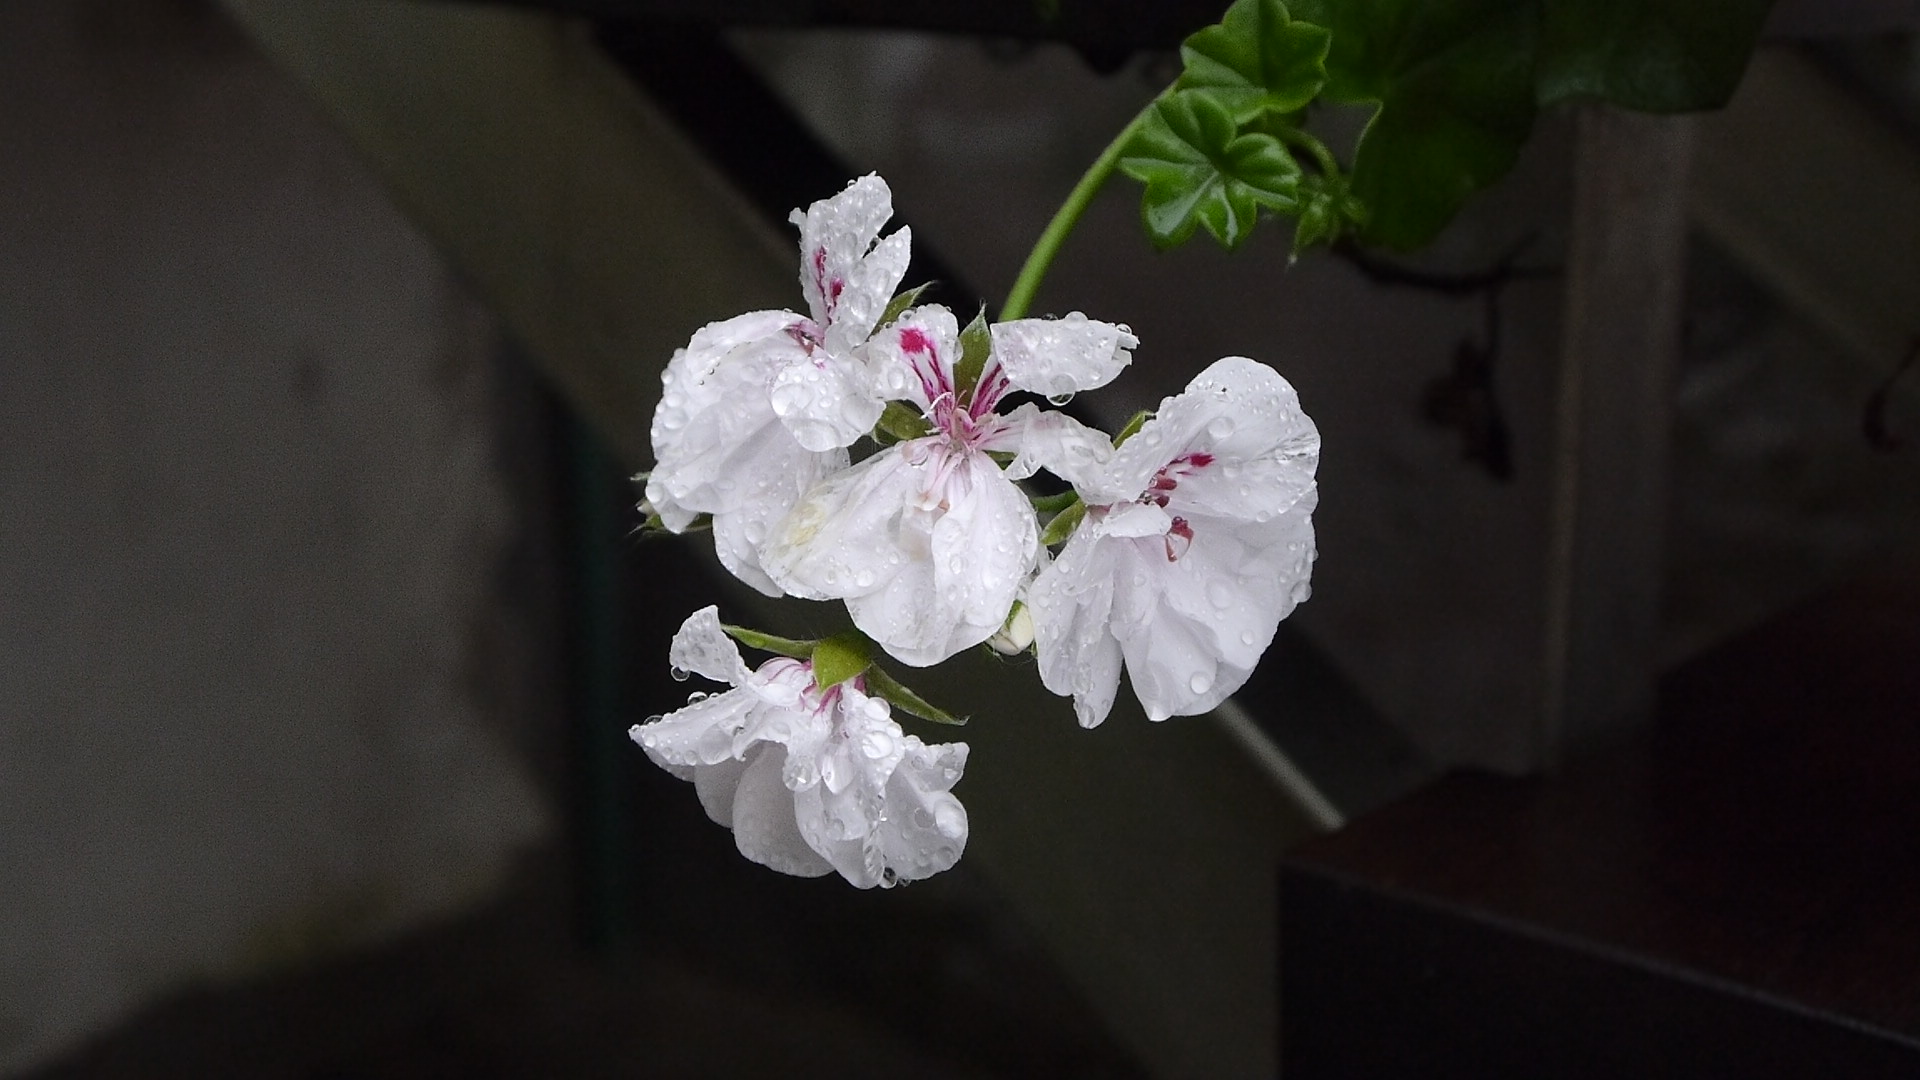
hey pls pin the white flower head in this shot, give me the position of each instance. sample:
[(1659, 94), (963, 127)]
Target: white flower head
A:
[(810, 782), (757, 409), (929, 541), (1198, 541)]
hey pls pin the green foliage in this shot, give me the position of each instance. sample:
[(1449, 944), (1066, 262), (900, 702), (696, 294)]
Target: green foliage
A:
[(883, 686), (841, 657), (754, 639), (901, 303), (1257, 60), (976, 344), (1063, 524), (1201, 170), (1455, 85), (900, 422)]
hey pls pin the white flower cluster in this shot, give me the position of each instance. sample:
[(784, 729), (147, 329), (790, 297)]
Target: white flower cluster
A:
[(1195, 539)]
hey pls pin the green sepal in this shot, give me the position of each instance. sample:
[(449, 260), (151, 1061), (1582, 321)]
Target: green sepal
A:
[(901, 303), (1134, 424), (1063, 524), (900, 422), (1257, 60), (976, 343), (1053, 504), (883, 686), (841, 657), (1200, 169), (754, 639)]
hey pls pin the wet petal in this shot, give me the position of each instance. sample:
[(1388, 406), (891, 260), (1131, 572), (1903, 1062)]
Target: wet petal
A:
[(870, 287), (702, 647), (980, 538), (835, 234), (1051, 440), (764, 825), (913, 359), (1072, 605), (766, 496), (844, 538), (703, 733), (826, 402), (1056, 357)]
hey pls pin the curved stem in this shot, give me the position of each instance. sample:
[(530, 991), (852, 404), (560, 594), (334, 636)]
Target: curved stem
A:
[(1322, 156), (1040, 259)]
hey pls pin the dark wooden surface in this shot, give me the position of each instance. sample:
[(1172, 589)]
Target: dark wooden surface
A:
[(1751, 860)]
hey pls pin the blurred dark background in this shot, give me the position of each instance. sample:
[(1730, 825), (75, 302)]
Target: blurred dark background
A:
[(328, 335)]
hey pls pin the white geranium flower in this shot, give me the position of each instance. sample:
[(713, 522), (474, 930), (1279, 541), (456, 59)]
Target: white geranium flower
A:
[(809, 782), (759, 408), (1198, 540), (929, 541)]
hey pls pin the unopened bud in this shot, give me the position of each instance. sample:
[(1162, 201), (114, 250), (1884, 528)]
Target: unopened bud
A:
[(1016, 634)]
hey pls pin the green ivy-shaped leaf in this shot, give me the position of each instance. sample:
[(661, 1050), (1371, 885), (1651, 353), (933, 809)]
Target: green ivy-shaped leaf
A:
[(1657, 56), (1257, 59), (1456, 83), (1200, 169)]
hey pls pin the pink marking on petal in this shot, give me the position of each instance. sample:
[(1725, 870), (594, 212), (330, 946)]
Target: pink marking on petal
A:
[(1178, 539), (913, 340)]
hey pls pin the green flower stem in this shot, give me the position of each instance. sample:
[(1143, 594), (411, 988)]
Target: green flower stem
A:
[(1040, 259), (1322, 156)]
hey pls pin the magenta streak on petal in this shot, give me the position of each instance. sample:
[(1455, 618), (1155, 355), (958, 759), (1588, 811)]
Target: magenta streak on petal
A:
[(1178, 539), (829, 290), (991, 388), (925, 359), (1170, 475)]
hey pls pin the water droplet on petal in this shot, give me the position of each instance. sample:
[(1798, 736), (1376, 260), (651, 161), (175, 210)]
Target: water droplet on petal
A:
[(950, 820), (1219, 593), (697, 697), (1200, 681), (1248, 637), (921, 818), (876, 744), (1060, 399), (679, 674), (1221, 427)]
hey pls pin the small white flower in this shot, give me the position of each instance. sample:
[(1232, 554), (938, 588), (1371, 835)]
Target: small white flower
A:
[(929, 541), (809, 782), (759, 408), (1198, 541)]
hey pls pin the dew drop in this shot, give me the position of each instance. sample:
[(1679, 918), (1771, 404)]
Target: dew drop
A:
[(950, 820), (1060, 399), (921, 818), (697, 697), (1221, 427), (679, 674), (876, 744), (1200, 681), (1248, 638), (1220, 594)]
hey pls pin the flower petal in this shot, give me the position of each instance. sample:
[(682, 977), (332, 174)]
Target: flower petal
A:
[(1050, 440), (955, 592), (835, 234), (716, 786), (784, 472), (1072, 604), (844, 538), (764, 825), (1056, 357), (869, 289), (702, 647), (926, 828), (703, 733), (826, 401), (913, 359)]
